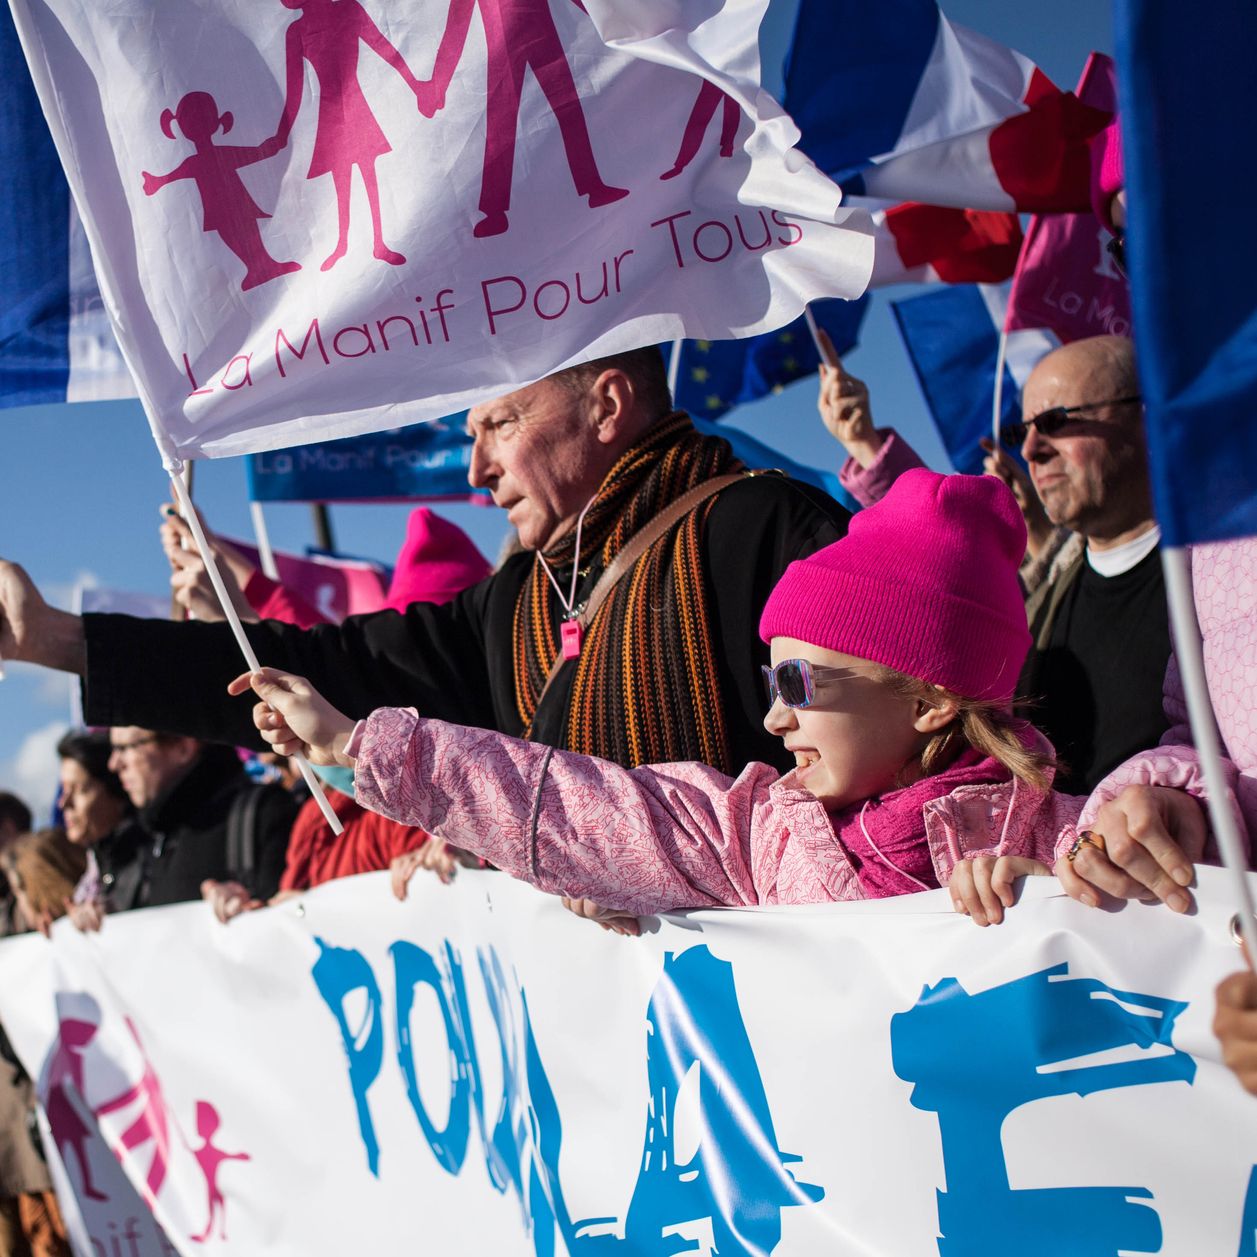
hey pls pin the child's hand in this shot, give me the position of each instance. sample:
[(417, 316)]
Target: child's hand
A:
[(982, 888), (268, 148), (151, 184), (295, 718), (1235, 1024)]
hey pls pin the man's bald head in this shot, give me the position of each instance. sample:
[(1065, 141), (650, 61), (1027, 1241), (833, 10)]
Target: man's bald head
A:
[(1091, 473)]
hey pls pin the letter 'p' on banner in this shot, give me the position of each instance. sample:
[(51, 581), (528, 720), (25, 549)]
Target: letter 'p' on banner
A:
[(317, 218)]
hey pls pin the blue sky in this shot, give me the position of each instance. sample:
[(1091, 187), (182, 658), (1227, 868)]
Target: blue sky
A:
[(82, 484)]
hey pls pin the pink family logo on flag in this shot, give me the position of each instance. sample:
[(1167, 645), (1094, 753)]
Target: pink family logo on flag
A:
[(330, 221), (97, 1097)]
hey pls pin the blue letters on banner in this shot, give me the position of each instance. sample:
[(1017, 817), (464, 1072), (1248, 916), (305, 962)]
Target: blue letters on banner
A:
[(1034, 1037), (1028, 1039)]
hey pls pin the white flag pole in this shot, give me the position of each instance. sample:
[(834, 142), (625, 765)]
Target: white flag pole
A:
[(827, 355), (998, 408), (674, 368), (189, 513), (1176, 562), (260, 534)]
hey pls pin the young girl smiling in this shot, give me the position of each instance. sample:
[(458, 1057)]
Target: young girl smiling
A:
[(894, 651)]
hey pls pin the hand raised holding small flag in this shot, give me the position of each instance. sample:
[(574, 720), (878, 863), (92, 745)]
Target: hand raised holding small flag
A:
[(844, 406)]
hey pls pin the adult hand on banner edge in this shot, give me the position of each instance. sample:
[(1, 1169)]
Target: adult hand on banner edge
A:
[(295, 718), (843, 402), (1235, 1026), (1039, 528), (87, 917), (34, 632), (1152, 837), (436, 856), (982, 887), (228, 899)]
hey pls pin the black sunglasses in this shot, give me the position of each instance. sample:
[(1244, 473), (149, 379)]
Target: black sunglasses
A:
[(1050, 422)]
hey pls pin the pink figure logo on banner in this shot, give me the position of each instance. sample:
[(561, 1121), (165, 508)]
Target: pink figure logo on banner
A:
[(63, 1089), (346, 134), (228, 208), (709, 99), (210, 1159), (63, 1079), (520, 35)]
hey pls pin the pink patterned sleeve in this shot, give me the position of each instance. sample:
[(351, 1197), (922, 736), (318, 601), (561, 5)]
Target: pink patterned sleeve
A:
[(870, 484), (1175, 767), (643, 840)]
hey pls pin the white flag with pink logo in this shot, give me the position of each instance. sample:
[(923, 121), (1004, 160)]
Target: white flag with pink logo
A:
[(316, 218)]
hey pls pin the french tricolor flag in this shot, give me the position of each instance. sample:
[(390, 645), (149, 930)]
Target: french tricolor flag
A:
[(896, 102), (55, 340)]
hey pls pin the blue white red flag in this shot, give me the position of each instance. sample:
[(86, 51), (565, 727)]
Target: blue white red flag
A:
[(321, 220), (896, 102), (952, 337), (1185, 80), (55, 341)]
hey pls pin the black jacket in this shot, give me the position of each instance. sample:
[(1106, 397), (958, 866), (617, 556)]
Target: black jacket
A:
[(456, 662), (121, 857), (187, 828)]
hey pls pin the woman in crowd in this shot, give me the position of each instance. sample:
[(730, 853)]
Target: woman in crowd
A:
[(895, 653), (42, 869), (99, 818)]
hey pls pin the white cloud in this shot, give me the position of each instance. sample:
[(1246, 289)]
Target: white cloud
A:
[(32, 773)]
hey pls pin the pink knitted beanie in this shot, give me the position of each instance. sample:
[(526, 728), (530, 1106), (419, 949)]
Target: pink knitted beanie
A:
[(924, 582), (437, 561)]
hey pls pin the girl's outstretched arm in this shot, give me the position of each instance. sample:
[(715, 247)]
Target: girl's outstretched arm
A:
[(641, 840), (154, 183)]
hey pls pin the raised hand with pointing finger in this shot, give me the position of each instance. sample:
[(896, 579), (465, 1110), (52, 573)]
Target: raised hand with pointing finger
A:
[(844, 407)]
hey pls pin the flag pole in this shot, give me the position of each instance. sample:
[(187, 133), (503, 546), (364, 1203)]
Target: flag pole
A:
[(998, 408), (827, 356), (674, 368), (263, 538), (1176, 562), (189, 513), (322, 517)]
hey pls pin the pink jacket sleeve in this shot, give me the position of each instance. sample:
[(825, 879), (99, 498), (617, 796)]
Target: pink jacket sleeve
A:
[(642, 840), (273, 601), (870, 484)]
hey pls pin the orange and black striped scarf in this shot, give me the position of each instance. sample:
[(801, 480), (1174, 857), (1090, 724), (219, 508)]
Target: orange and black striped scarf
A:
[(646, 690)]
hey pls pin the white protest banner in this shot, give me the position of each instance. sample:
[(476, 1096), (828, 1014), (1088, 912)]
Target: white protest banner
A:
[(307, 215), (476, 1071)]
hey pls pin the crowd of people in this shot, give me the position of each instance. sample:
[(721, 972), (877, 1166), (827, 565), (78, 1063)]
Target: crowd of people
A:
[(691, 684)]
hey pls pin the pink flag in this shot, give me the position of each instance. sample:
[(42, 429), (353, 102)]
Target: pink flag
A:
[(1065, 280), (335, 587)]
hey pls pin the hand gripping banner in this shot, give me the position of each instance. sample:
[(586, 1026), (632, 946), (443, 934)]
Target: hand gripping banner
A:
[(317, 218), (477, 1071)]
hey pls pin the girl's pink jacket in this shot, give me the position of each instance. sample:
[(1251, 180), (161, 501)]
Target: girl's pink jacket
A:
[(1224, 584), (660, 838)]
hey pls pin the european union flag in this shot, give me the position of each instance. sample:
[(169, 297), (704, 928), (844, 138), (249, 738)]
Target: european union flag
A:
[(715, 375)]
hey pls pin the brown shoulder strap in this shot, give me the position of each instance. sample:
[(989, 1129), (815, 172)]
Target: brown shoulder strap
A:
[(637, 545)]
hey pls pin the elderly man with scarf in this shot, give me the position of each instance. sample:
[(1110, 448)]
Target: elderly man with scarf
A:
[(667, 668)]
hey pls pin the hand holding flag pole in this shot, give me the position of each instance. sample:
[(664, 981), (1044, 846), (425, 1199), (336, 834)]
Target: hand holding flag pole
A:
[(189, 513)]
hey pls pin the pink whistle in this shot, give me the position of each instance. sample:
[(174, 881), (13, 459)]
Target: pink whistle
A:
[(570, 634)]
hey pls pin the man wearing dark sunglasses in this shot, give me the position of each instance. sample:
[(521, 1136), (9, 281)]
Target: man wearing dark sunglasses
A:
[(1100, 626)]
